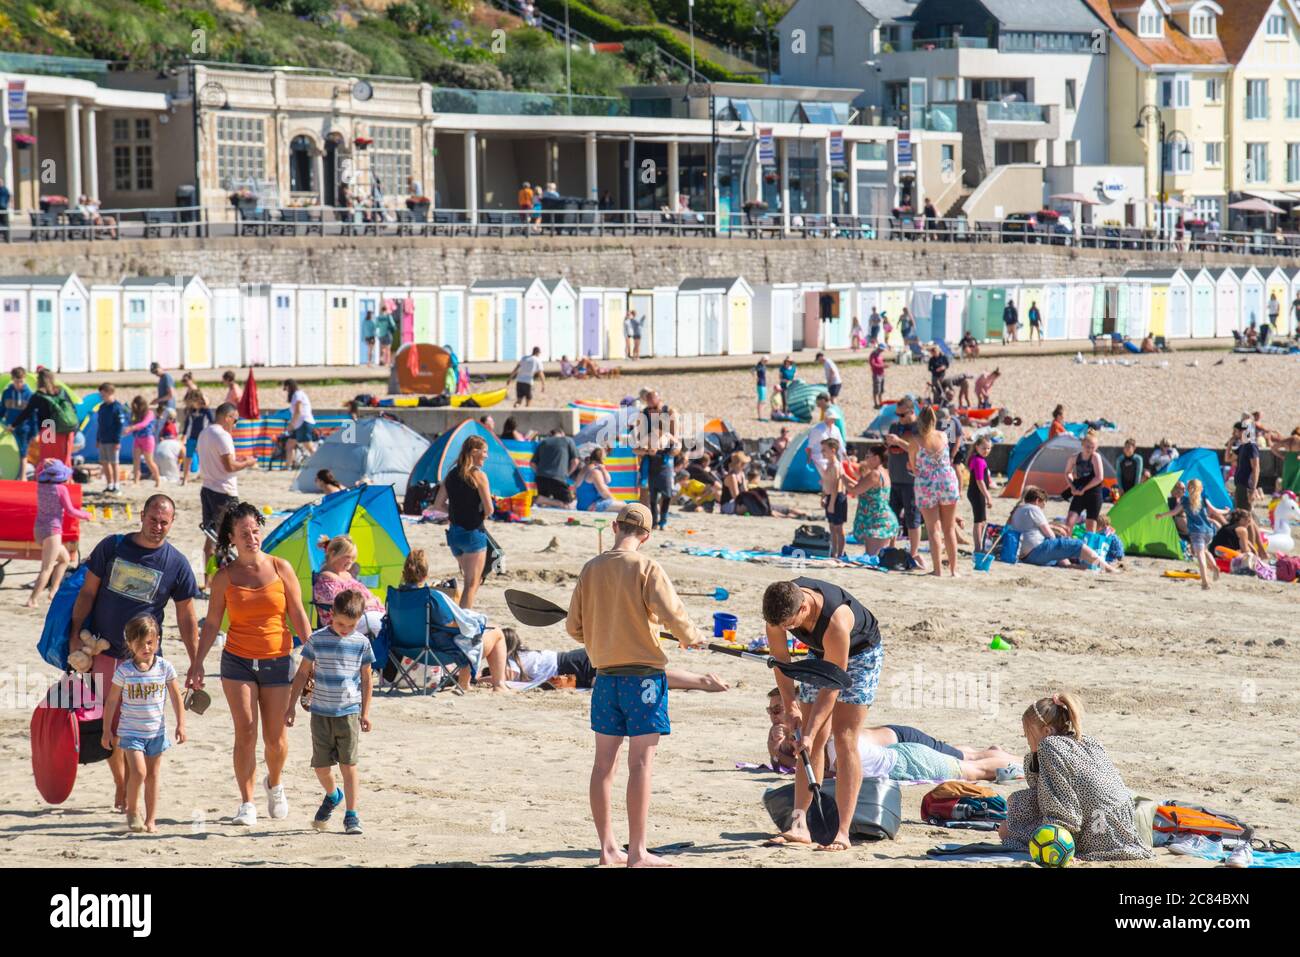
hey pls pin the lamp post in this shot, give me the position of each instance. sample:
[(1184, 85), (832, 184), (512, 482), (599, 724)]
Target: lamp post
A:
[(568, 58), (1164, 139), (764, 28), (690, 14)]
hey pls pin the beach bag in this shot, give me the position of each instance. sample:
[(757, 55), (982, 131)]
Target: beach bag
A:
[(895, 559), (877, 815), (1144, 813), (418, 495), (813, 540), (1288, 568), (962, 801), (1010, 550), (1174, 818), (53, 643)]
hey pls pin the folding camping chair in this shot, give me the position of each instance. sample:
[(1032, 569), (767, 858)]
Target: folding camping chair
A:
[(914, 351), (418, 627)]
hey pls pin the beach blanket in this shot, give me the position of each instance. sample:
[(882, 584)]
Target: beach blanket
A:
[(784, 560)]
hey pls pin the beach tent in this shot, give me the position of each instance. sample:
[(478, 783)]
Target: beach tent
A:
[(369, 515), (881, 423), (374, 450), (795, 472), (1046, 468), (1028, 444), (439, 458), (1203, 464), (1134, 518)]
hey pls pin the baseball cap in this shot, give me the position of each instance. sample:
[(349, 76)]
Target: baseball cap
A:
[(636, 515)]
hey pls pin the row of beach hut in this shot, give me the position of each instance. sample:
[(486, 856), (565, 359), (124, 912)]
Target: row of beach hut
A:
[(182, 322)]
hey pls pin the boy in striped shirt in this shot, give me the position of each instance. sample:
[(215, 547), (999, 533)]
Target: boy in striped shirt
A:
[(339, 658)]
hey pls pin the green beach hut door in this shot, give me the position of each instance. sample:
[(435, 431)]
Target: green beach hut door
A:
[(997, 302), (977, 316)]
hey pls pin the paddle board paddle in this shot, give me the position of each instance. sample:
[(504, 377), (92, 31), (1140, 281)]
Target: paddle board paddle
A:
[(813, 671), (533, 610), (823, 815)]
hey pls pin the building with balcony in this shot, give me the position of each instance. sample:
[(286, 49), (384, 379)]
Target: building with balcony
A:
[(315, 138), (1223, 80), (1022, 81)]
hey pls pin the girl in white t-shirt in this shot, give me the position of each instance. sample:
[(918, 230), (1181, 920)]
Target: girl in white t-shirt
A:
[(141, 686)]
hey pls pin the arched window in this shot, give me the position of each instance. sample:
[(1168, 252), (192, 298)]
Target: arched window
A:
[(302, 165)]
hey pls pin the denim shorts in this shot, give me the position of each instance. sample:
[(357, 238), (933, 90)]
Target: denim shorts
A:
[(466, 541), (1052, 550), (263, 672), (152, 747)]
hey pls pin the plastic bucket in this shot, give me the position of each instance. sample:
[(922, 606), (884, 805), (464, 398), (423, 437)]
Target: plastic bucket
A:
[(983, 561), (1010, 551), (723, 622)]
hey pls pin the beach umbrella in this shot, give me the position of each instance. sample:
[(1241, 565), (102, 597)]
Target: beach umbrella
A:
[(248, 404), (1256, 205)]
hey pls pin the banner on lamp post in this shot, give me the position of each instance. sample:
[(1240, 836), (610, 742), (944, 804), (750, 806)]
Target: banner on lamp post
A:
[(837, 149), (16, 104), (766, 146)]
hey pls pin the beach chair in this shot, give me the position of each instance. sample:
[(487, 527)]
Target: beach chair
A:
[(1162, 344), (945, 349), (419, 628)]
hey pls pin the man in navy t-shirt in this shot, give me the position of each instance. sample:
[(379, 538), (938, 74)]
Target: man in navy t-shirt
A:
[(1245, 477)]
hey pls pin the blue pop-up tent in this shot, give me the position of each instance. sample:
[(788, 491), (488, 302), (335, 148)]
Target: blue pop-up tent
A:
[(1202, 464), (1024, 449), (795, 471), (440, 458), (369, 515)]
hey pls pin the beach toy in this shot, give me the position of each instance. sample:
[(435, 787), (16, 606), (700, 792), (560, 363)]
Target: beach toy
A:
[(729, 636), (723, 622), (1182, 574), (266, 510), (1051, 846), (108, 513), (718, 594), (983, 561), (127, 508), (90, 510), (999, 644)]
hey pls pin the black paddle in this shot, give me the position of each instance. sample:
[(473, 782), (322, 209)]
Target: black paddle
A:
[(533, 610), (823, 815), (813, 671)]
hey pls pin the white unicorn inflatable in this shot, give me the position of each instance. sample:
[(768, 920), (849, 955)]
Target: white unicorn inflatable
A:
[(1284, 512)]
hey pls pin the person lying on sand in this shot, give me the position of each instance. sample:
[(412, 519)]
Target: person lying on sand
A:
[(538, 667), (898, 752)]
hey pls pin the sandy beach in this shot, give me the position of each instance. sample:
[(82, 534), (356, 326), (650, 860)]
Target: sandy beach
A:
[(1194, 695)]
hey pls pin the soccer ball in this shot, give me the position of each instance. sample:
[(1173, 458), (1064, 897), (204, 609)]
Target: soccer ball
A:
[(1051, 846)]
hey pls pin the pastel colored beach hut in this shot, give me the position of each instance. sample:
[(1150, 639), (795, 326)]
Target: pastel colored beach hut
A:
[(988, 298), (563, 318), (591, 315), (227, 313), (1056, 309), (537, 319), (1203, 288), (451, 318), (282, 338), (1277, 284), (1254, 299), (341, 326), (1292, 323), (665, 320), (397, 300), (105, 328), (837, 333), (51, 311), (689, 319), (196, 328), (1227, 300), (480, 324), (255, 308), (774, 314), (1028, 293), (929, 305), (506, 316), (642, 302), (1082, 294), (615, 311), (708, 298), (312, 325), (424, 314), (369, 303), (151, 322)]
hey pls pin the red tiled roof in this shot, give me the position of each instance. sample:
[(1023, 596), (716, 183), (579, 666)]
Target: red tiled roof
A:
[(1176, 47), (1239, 25)]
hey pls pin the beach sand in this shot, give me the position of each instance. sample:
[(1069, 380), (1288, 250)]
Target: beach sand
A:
[(1193, 694)]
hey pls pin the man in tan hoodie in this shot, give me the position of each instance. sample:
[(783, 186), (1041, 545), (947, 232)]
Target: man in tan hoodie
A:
[(621, 601)]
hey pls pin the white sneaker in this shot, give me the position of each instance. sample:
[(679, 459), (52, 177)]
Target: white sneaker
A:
[(277, 803), (1012, 772), (246, 816), (1241, 856)]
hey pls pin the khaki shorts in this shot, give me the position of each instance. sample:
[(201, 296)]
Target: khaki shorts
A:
[(334, 740)]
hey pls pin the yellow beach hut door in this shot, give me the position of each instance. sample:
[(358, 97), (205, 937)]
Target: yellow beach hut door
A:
[(105, 320), (481, 321), (198, 348), (340, 349)]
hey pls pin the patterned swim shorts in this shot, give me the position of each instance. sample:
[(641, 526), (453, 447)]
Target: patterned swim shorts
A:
[(864, 673)]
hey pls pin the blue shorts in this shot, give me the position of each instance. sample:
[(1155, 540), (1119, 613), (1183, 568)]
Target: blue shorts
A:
[(466, 541), (152, 747), (864, 673), (304, 432), (762, 393), (625, 706), (1052, 550)]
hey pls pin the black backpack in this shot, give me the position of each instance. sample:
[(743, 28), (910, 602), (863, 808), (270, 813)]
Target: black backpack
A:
[(418, 496), (895, 559), (813, 540)]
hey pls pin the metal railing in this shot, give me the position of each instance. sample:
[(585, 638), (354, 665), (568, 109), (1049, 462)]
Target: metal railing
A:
[(505, 103), (1016, 112), (584, 218)]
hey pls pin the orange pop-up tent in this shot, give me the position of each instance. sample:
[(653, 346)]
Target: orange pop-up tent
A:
[(421, 369)]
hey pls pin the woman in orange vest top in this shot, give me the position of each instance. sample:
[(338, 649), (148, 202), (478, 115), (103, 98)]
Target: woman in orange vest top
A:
[(262, 596)]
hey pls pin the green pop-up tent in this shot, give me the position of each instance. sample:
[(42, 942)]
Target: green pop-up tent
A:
[(1135, 522)]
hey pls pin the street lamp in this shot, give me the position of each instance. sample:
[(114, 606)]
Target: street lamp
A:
[(1165, 139), (762, 27)]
